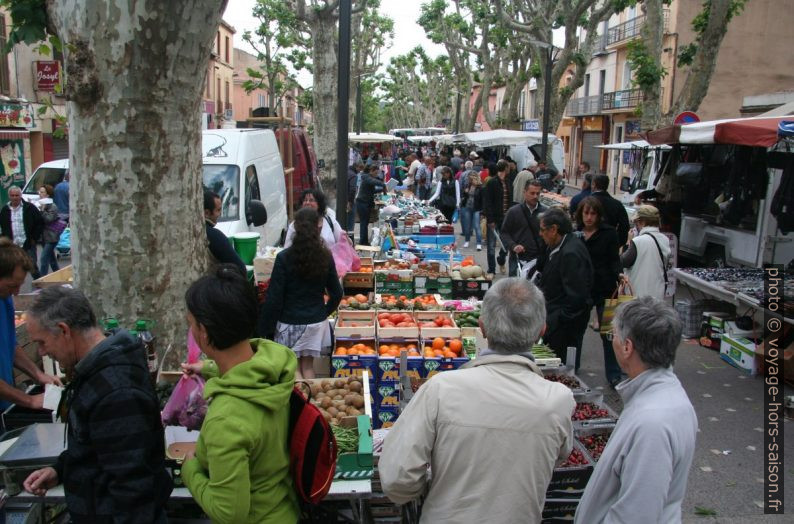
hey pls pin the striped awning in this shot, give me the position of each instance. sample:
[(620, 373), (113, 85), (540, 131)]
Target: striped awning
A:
[(14, 134)]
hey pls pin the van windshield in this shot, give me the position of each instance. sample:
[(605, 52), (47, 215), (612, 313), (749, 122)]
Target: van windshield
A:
[(43, 176), (225, 181)]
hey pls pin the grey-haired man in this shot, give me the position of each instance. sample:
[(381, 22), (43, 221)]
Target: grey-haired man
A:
[(497, 412), (642, 473)]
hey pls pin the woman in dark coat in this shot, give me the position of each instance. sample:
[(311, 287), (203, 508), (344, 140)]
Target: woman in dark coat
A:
[(601, 240)]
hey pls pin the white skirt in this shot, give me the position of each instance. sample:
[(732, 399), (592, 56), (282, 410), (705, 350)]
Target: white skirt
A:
[(306, 340)]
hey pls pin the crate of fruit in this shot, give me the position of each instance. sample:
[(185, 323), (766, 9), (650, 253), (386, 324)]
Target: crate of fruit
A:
[(358, 301), (545, 356), (594, 439), (428, 302), (352, 356), (361, 279), (436, 324), (574, 473), (355, 324), (392, 302), (397, 325), (442, 354), (591, 410), (559, 510), (566, 376)]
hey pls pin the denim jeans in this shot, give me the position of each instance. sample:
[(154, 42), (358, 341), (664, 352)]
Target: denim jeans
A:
[(363, 211), (469, 218), (351, 218), (611, 366), (492, 259), (48, 259), (31, 251)]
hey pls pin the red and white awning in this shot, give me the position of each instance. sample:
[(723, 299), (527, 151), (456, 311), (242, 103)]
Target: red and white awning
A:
[(757, 132)]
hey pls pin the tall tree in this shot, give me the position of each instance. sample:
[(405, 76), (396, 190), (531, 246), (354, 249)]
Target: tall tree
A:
[(699, 57), (316, 21), (371, 34), (275, 42), (536, 19), (133, 93)]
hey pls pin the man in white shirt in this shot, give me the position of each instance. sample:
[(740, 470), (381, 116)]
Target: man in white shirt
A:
[(491, 431), (22, 222)]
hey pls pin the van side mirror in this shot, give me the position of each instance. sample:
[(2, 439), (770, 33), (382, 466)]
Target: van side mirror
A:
[(255, 213), (625, 184)]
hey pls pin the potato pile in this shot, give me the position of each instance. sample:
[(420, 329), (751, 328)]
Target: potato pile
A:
[(338, 398)]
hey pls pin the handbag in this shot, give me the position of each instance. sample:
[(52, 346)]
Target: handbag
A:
[(623, 293), (57, 225), (689, 173)]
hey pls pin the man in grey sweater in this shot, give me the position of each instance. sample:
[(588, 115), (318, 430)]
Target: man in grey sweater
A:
[(642, 473)]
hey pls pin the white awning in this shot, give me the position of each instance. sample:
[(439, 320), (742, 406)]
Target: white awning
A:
[(372, 138), (635, 144), (500, 137)]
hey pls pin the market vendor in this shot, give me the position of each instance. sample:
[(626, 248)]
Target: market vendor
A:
[(240, 472), (365, 201), (14, 267), (114, 467), (220, 247), (491, 432), (643, 470)]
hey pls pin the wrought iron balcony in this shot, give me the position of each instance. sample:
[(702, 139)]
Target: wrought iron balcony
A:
[(628, 29), (584, 106), (626, 99)]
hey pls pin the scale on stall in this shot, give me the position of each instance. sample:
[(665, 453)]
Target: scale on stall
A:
[(37, 446)]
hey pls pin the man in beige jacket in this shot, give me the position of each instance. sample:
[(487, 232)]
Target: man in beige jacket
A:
[(491, 431)]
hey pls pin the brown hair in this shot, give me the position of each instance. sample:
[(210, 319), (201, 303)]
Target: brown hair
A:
[(594, 204), (12, 256), (49, 189), (308, 253)]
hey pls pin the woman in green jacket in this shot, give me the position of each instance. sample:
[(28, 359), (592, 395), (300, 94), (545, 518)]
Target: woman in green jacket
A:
[(240, 471)]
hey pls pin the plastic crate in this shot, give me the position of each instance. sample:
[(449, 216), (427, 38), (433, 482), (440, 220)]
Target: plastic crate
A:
[(691, 312)]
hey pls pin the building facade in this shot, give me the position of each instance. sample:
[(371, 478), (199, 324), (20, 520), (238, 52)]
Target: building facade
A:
[(604, 109), (219, 80)]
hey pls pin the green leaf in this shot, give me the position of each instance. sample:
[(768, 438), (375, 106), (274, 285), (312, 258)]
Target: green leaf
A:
[(705, 512)]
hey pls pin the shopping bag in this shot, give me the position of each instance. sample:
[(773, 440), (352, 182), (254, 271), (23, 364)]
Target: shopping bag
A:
[(186, 406), (623, 293), (345, 258)]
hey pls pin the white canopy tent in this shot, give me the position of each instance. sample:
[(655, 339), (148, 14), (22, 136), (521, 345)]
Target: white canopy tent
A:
[(500, 137), (634, 144), (439, 139), (372, 138)]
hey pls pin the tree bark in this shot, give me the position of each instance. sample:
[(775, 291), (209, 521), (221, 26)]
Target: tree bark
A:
[(697, 81), (653, 35), (136, 75), (324, 58)]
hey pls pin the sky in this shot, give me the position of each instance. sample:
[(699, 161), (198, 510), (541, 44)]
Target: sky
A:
[(407, 33)]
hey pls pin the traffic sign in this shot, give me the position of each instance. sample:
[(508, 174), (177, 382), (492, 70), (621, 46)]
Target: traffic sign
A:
[(687, 117)]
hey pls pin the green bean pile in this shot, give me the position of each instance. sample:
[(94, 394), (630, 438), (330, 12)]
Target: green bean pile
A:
[(346, 438)]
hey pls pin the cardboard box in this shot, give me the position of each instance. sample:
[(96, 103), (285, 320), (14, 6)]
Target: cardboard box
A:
[(572, 477), (263, 268), (387, 395), (463, 289), (740, 353), (360, 279), (559, 510), (354, 323), (386, 417), (357, 464), (388, 370), (56, 278), (716, 319), (433, 366), (432, 332), (344, 366)]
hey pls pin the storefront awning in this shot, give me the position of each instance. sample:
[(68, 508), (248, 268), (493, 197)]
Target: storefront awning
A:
[(14, 134)]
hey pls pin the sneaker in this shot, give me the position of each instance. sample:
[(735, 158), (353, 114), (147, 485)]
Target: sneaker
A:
[(466, 244), (502, 269), (489, 276), (479, 247)]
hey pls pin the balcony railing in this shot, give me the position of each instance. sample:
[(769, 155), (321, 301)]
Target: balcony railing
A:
[(583, 106), (626, 99), (626, 30)]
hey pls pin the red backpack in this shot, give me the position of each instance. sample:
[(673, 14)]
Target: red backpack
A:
[(312, 449)]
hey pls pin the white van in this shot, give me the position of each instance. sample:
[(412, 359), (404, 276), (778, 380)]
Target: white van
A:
[(243, 167), (51, 173)]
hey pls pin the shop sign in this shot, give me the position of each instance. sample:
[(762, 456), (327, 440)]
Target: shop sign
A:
[(592, 123), (530, 125), (48, 75), (16, 115), (633, 129), (12, 166)]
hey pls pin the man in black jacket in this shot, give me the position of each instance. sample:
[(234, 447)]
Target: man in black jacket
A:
[(566, 281), (521, 230), (220, 247), (496, 198), (22, 222), (114, 467), (614, 212), (365, 201)]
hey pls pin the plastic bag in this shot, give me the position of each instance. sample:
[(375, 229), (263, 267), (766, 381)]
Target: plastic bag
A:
[(345, 258), (186, 406)]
